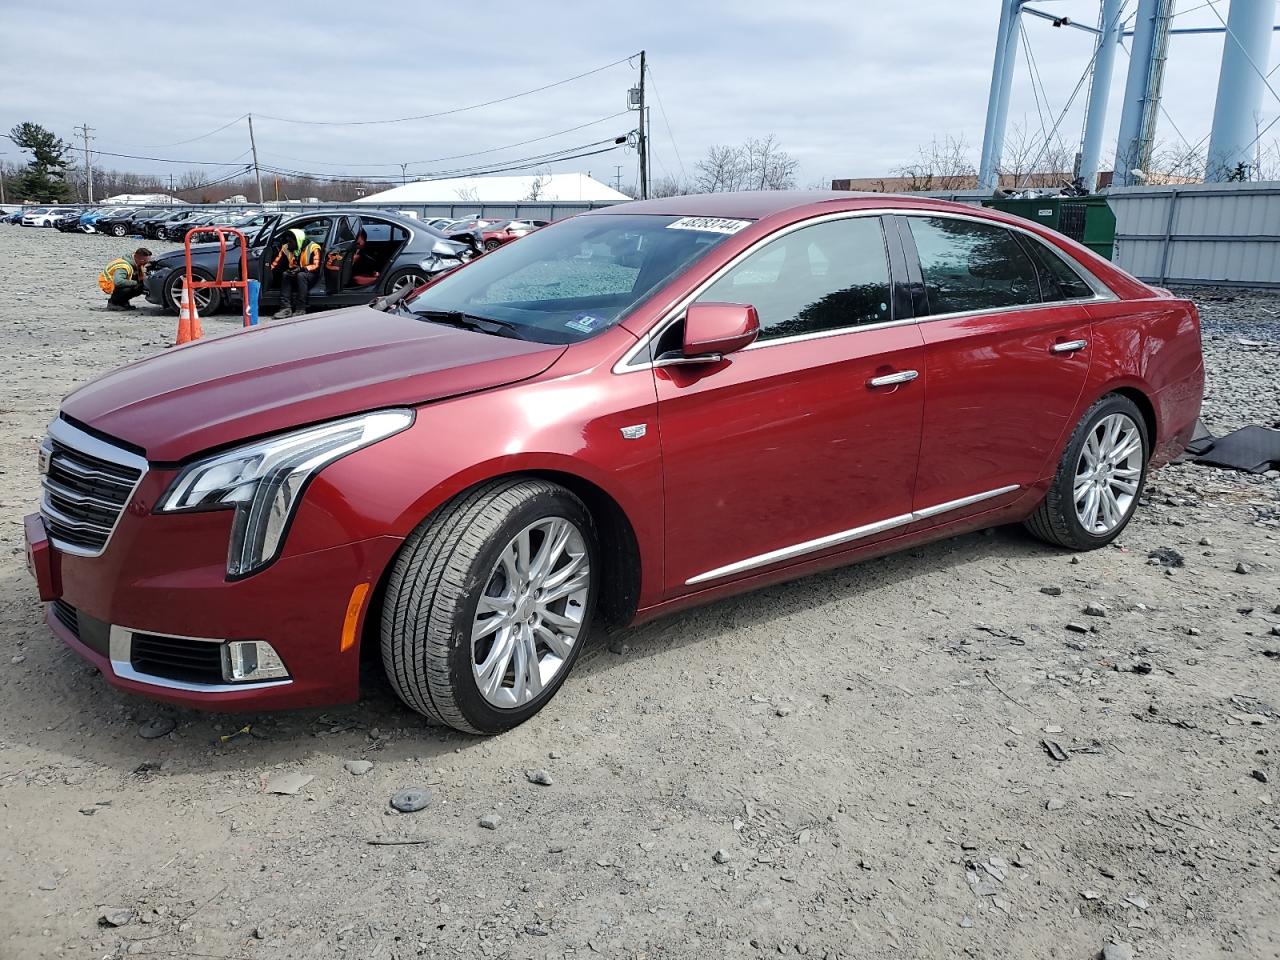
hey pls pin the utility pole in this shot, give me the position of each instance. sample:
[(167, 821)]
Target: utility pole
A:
[(85, 131), (403, 176), (3, 173), (643, 138), (257, 171), (617, 177), (171, 184)]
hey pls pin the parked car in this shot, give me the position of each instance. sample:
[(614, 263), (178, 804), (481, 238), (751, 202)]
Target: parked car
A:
[(44, 216), (67, 222), (89, 219), (14, 216), (150, 227), (177, 228), (126, 222), (469, 478), (504, 231), (398, 253)]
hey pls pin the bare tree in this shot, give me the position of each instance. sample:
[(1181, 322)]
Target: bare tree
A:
[(769, 167), (1027, 161), (941, 165), (670, 187), (470, 194), (724, 168), (756, 164), (1176, 163), (538, 186), (1268, 162)]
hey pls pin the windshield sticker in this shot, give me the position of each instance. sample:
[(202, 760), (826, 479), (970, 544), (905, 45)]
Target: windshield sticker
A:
[(584, 323), (709, 224)]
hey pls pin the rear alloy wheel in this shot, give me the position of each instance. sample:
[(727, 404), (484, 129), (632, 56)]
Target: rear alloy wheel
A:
[(489, 604), (410, 278), (1099, 479), (492, 244)]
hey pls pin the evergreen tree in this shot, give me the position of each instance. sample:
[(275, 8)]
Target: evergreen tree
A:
[(44, 179)]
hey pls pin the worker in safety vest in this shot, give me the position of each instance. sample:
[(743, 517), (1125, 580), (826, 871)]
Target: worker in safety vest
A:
[(122, 279), (299, 258)]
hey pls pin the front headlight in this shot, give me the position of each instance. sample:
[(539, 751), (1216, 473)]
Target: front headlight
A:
[(264, 481)]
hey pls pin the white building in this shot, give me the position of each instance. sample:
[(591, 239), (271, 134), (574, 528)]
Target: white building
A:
[(141, 200), (532, 188)]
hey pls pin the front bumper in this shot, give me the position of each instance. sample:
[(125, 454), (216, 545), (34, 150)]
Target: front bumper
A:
[(153, 285), (161, 579)]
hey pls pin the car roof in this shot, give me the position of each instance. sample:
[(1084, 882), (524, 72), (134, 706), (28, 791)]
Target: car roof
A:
[(757, 204)]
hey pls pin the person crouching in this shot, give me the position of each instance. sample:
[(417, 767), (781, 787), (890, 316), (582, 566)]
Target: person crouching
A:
[(122, 279)]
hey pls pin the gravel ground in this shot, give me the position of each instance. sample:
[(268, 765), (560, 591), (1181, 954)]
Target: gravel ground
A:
[(859, 764)]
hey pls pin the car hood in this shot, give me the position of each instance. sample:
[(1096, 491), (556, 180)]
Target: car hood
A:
[(260, 381)]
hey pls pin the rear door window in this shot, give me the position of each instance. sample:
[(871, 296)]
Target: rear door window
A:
[(820, 278), (1058, 279), (971, 266)]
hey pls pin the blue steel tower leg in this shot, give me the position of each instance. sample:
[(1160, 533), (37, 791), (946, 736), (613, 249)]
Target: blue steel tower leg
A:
[(1140, 91), (1096, 116), (998, 99), (1245, 54)]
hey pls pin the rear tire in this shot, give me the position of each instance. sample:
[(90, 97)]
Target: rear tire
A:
[(486, 669), (118, 230), (492, 244), (1095, 490), (413, 277)]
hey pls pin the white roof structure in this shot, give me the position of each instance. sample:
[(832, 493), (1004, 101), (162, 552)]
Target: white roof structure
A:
[(143, 199), (548, 187)]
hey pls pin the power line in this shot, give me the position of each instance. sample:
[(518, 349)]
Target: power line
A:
[(1034, 71), (522, 163), (192, 163), (459, 156), (667, 123), (179, 143), (444, 113)]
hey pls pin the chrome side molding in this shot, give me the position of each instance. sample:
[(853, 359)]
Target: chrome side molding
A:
[(846, 536)]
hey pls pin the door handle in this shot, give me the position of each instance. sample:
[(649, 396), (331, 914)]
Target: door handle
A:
[(1069, 346), (893, 379)]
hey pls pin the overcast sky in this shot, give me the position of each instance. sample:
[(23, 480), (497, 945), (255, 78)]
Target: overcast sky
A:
[(849, 88)]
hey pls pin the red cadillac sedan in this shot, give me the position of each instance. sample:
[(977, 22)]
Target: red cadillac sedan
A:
[(631, 411)]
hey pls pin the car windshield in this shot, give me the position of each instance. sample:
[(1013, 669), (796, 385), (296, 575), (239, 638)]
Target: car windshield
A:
[(577, 277)]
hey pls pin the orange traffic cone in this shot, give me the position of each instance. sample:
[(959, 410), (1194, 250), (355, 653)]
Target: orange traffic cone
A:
[(188, 318)]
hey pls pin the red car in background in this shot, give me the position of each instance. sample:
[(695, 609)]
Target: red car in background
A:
[(634, 410), (504, 231)]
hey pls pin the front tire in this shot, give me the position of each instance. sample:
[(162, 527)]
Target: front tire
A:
[(1099, 480), (118, 230), (208, 300), (489, 604)]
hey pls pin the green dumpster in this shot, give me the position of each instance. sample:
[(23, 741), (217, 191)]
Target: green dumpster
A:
[(1088, 220)]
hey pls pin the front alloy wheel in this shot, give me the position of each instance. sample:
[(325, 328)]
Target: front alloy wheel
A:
[(489, 603), (529, 614)]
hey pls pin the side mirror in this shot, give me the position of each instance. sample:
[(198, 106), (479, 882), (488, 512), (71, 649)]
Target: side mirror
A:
[(713, 329)]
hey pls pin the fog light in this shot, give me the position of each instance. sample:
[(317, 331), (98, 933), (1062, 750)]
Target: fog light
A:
[(248, 660)]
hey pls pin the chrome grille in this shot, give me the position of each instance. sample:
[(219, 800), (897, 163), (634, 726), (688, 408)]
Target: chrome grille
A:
[(86, 484)]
